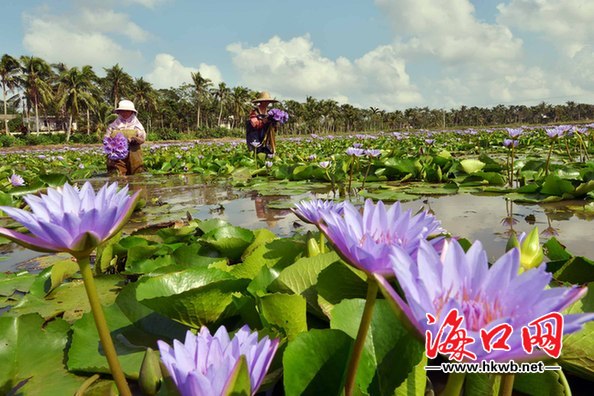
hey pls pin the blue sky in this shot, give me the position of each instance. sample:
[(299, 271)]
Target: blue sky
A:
[(391, 54)]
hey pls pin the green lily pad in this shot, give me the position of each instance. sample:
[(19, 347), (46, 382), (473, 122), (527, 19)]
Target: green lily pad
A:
[(390, 352), (32, 354), (315, 363), (195, 297)]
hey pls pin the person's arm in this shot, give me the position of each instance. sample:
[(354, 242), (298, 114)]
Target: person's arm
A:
[(140, 137), (256, 121)]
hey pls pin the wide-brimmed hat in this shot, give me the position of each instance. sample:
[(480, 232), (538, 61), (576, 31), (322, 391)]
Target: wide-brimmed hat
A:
[(264, 96), (126, 105)]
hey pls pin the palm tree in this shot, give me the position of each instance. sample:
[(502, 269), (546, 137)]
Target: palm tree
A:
[(9, 68), (240, 102), (145, 98), (201, 85), (74, 91), (117, 83), (221, 94), (35, 74)]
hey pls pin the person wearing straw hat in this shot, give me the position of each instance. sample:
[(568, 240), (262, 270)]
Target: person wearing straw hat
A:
[(128, 124), (260, 129)]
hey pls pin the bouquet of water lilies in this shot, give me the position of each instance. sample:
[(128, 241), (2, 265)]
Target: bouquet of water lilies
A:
[(278, 115), (116, 147)]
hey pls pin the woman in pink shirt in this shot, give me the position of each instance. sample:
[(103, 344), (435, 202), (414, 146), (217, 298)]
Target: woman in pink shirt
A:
[(130, 126)]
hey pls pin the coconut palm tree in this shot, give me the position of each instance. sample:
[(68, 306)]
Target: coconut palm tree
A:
[(201, 86), (221, 93), (9, 69), (75, 90), (117, 83), (239, 99), (35, 73), (145, 98)]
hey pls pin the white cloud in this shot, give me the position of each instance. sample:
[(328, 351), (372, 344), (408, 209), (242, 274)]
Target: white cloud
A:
[(55, 40), (109, 21), (297, 69), (567, 24), (169, 72), (449, 32)]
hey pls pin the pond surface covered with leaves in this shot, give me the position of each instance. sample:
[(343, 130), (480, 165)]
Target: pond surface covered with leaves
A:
[(213, 242)]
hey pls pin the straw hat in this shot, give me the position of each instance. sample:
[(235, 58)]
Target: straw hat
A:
[(126, 105), (264, 96)]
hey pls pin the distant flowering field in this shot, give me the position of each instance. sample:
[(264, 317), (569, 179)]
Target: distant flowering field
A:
[(368, 300)]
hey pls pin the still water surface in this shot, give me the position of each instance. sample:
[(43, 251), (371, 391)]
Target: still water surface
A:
[(475, 217)]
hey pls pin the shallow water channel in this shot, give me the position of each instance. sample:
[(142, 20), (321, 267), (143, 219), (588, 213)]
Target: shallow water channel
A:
[(486, 218)]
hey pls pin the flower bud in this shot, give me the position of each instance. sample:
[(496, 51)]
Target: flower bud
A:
[(150, 376), (531, 253)]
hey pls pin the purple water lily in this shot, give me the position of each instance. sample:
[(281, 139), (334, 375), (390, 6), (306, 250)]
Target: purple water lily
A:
[(365, 240), (324, 164), (485, 296), (555, 132), (510, 143), (116, 147), (16, 180), (311, 211), (203, 364), (278, 115), (514, 133), (70, 220), (354, 151), (373, 152)]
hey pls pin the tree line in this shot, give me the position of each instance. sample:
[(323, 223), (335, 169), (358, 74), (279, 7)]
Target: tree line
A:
[(77, 94)]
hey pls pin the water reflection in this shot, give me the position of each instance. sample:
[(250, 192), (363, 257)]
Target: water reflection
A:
[(489, 219)]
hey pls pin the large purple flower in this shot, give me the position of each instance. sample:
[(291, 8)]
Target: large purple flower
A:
[(70, 220), (203, 364), (365, 240), (116, 147), (485, 296)]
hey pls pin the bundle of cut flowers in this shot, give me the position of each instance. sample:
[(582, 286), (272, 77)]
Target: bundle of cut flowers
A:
[(116, 147), (278, 115)]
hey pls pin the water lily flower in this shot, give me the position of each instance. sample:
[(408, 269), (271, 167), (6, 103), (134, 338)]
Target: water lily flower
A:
[(324, 164), (278, 115), (311, 211), (373, 152), (555, 132), (268, 164), (365, 240), (70, 220), (510, 143), (514, 133), (354, 151), (256, 143), (16, 180), (203, 364), (485, 296)]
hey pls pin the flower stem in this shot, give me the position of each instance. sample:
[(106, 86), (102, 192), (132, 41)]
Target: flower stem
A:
[(507, 385), (549, 157), (511, 172), (563, 381), (351, 173), (366, 174), (372, 288), (454, 384), (102, 329)]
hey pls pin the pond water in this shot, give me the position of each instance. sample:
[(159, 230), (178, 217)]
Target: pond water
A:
[(475, 217)]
